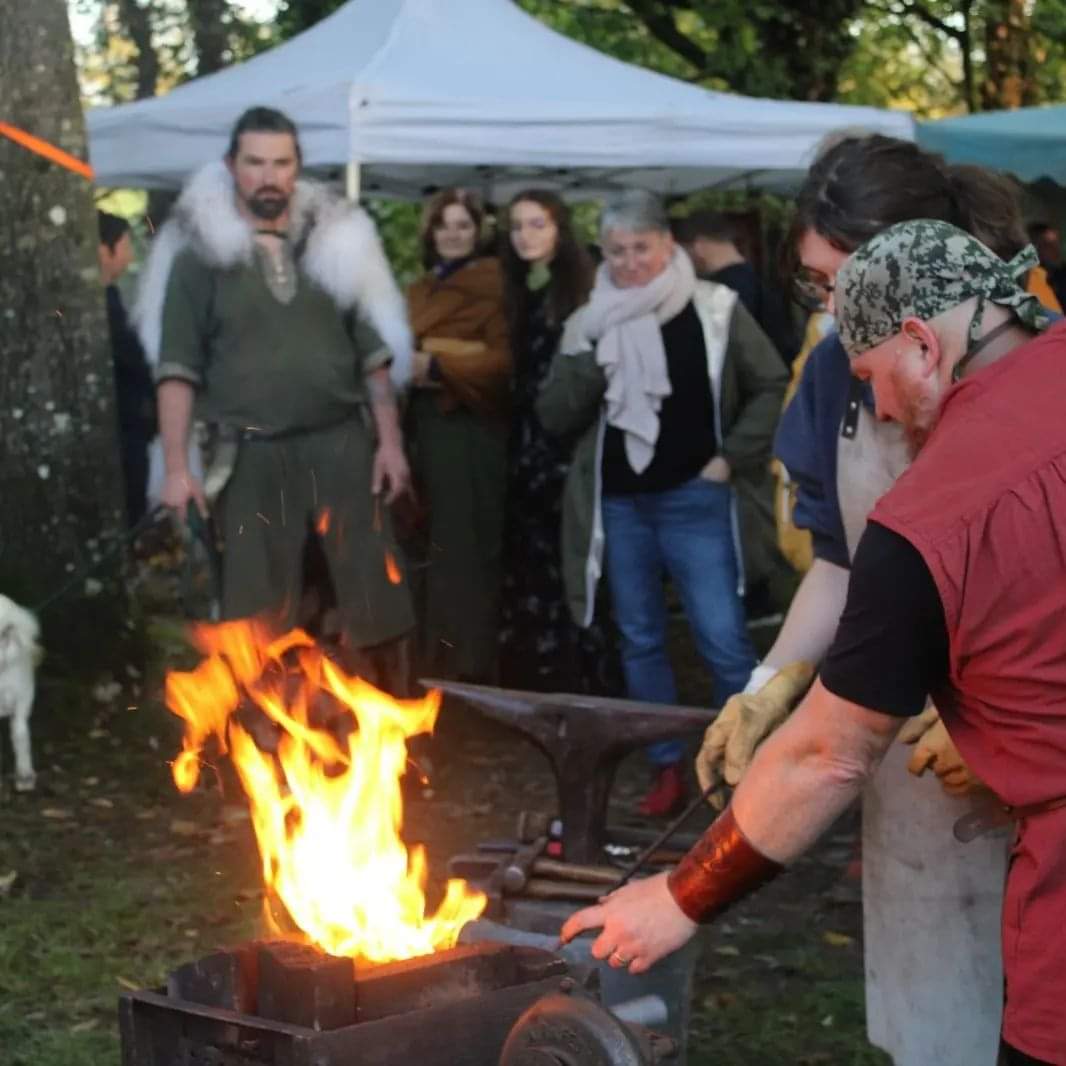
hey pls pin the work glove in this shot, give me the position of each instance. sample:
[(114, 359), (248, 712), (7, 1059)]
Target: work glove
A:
[(935, 750), (746, 720)]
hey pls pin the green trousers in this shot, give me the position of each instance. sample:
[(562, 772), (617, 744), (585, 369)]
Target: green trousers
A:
[(282, 490), (460, 463)]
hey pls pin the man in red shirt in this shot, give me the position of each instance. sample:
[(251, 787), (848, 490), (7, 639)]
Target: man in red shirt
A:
[(958, 590)]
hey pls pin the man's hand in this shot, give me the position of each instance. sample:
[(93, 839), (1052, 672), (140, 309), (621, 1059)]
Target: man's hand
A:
[(936, 751), (641, 924), (179, 487), (744, 723), (390, 472)]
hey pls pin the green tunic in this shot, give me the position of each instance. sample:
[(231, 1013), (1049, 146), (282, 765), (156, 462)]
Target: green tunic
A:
[(286, 364), (257, 361)]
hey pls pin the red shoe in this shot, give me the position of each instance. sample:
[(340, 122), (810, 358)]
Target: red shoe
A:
[(667, 795)]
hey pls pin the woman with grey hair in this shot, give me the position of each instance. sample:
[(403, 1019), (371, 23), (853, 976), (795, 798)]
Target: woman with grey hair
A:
[(674, 392)]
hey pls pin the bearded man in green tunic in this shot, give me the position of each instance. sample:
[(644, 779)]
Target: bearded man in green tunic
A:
[(270, 313)]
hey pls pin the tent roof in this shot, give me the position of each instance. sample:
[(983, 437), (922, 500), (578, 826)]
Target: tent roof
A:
[(1030, 142), (438, 91)]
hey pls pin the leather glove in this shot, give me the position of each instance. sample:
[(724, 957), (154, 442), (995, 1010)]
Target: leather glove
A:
[(746, 720), (916, 728), (935, 750)]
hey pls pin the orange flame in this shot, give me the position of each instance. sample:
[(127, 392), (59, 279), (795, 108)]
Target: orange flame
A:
[(327, 814), (322, 525)]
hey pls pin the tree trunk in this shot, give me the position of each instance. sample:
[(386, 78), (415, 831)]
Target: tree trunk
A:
[(210, 34), (137, 23), (1008, 81), (60, 480)]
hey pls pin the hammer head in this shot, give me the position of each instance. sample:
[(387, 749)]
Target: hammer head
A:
[(516, 873)]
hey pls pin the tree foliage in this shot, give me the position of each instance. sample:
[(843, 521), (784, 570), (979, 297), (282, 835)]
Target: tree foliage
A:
[(783, 50), (934, 56), (143, 47), (941, 57)]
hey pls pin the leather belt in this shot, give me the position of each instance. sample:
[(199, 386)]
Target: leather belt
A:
[(251, 433)]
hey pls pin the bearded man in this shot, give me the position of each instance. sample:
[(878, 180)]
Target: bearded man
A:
[(956, 591), (269, 310)]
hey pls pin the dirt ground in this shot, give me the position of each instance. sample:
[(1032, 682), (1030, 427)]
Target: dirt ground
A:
[(109, 878)]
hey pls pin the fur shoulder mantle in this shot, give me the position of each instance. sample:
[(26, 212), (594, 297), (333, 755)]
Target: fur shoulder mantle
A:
[(343, 254)]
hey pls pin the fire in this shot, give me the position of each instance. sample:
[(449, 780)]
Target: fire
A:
[(323, 521), (392, 570), (327, 813)]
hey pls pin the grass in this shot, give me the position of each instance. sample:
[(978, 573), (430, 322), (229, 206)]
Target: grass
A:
[(119, 879), (116, 877)]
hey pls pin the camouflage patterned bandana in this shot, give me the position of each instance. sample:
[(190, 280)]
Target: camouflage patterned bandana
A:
[(922, 269)]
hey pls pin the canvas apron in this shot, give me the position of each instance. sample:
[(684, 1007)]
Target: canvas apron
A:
[(931, 905)]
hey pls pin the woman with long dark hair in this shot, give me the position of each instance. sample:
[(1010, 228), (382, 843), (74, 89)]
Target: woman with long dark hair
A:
[(548, 275)]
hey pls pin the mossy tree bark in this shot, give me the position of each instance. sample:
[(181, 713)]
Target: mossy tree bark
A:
[(61, 508)]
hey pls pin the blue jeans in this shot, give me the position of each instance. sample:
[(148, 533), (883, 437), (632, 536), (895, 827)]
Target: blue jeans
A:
[(687, 533)]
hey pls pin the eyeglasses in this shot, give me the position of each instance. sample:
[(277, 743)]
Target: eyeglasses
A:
[(811, 288)]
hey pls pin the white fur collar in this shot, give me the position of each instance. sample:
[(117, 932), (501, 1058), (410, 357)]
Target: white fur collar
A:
[(343, 255)]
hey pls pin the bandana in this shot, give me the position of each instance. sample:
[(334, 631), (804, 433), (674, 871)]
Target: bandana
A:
[(922, 269)]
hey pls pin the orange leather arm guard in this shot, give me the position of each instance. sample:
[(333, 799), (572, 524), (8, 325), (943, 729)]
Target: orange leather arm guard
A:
[(721, 868)]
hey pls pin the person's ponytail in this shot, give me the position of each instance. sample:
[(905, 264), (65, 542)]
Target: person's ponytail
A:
[(988, 205)]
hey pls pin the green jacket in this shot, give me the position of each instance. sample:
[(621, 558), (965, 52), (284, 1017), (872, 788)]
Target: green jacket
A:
[(748, 381)]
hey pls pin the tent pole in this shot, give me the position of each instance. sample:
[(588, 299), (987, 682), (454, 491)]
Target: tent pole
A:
[(352, 183)]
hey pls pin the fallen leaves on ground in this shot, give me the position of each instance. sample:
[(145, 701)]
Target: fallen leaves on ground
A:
[(837, 940)]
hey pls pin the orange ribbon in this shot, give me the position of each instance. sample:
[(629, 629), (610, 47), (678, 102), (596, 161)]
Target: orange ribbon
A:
[(49, 151)]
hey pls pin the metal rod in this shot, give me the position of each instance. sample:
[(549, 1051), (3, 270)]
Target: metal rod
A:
[(666, 834)]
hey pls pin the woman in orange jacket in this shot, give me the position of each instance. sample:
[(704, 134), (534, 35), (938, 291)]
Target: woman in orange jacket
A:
[(458, 431)]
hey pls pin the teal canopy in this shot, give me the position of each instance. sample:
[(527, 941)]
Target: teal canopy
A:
[(1029, 142)]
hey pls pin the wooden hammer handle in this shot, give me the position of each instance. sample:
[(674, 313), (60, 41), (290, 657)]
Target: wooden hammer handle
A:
[(545, 888), (573, 871)]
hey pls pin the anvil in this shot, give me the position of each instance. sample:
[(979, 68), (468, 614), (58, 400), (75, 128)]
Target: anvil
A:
[(584, 737)]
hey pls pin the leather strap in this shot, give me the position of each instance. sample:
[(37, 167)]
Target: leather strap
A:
[(994, 814), (721, 868)]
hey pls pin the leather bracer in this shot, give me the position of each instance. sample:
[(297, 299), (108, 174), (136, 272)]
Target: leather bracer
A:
[(721, 868)]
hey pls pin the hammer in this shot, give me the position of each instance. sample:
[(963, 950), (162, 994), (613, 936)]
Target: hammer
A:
[(515, 872), (479, 867)]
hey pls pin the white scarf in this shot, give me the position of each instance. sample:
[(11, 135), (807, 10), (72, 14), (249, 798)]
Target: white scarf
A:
[(623, 325)]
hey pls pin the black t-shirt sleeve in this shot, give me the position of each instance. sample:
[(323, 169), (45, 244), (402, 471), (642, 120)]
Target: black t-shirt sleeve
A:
[(891, 648)]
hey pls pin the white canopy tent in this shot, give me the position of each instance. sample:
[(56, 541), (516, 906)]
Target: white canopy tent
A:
[(473, 92)]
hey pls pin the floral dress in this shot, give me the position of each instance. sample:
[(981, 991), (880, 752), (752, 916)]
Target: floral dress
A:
[(541, 647)]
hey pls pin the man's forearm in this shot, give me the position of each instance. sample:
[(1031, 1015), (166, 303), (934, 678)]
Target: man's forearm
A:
[(384, 407), (812, 617), (175, 399), (806, 774)]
